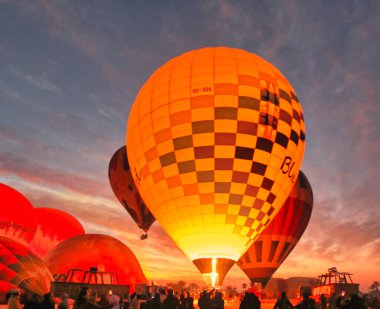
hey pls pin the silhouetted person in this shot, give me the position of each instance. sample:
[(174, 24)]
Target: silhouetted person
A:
[(171, 302), (323, 301), (204, 300), (154, 303), (332, 301), (250, 301), (47, 302), (114, 301), (217, 302), (186, 301), (83, 301), (134, 302), (355, 303), (306, 302), (103, 300), (31, 301), (163, 295), (339, 302), (283, 302), (64, 304)]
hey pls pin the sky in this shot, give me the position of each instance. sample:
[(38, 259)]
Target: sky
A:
[(70, 71)]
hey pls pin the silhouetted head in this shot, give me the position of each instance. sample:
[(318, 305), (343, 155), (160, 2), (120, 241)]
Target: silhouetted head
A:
[(218, 295), (170, 291)]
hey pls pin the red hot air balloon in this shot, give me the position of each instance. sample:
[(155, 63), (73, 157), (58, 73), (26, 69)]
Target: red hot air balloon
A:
[(54, 226), (17, 220), (275, 243), (21, 268), (94, 250), (124, 187)]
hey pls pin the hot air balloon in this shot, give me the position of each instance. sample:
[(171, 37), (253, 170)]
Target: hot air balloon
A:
[(21, 268), (102, 252), (125, 190), (53, 227), (280, 237), (215, 140), (17, 220)]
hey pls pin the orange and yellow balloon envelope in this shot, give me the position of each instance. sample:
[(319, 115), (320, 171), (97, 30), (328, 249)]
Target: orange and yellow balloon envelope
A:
[(215, 141)]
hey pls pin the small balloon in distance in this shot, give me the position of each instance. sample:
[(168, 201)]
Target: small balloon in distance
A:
[(124, 188)]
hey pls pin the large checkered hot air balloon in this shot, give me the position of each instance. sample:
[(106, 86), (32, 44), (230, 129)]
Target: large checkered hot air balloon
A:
[(280, 237), (215, 141), (122, 184), (21, 268), (53, 227), (17, 220)]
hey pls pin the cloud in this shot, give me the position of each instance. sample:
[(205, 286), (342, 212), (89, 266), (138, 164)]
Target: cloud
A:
[(41, 175), (43, 82)]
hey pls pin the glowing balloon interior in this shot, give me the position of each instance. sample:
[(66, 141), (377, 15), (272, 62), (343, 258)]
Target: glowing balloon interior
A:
[(21, 268), (17, 220), (54, 226), (103, 252), (215, 140), (276, 242)]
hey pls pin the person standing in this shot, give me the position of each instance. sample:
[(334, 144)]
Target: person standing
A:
[(323, 301), (204, 300), (64, 304), (250, 301), (187, 302), (163, 295), (331, 301), (114, 301), (306, 303), (134, 302), (47, 302), (217, 302), (171, 302), (283, 302), (154, 303)]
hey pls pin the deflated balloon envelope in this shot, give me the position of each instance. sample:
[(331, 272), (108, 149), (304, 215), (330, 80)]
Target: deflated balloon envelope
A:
[(215, 140), (19, 267), (276, 242), (124, 188)]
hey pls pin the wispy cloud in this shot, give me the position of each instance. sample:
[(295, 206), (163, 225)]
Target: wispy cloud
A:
[(42, 82)]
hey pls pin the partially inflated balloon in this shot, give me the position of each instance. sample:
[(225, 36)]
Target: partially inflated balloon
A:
[(275, 243), (54, 226), (215, 140), (124, 187), (17, 220), (19, 267), (94, 250)]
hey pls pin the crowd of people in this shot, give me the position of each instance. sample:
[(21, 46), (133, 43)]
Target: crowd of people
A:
[(168, 299)]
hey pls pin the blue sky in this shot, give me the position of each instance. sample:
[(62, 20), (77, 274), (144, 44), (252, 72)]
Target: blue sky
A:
[(70, 71)]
